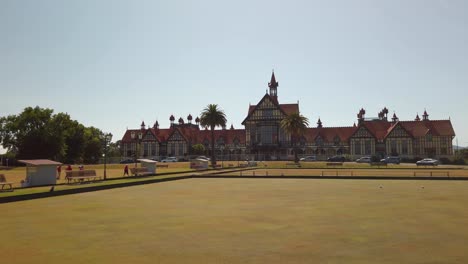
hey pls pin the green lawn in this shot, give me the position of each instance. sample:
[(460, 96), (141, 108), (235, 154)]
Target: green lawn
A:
[(244, 221)]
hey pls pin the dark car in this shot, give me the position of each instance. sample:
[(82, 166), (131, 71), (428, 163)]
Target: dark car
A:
[(394, 160), (336, 159), (126, 161)]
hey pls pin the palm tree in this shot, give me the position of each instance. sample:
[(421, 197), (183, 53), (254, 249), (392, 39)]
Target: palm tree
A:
[(295, 124), (212, 117)]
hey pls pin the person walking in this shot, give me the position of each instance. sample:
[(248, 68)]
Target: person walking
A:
[(126, 170), (59, 171)]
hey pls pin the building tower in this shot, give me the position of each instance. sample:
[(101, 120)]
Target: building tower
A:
[(273, 84)]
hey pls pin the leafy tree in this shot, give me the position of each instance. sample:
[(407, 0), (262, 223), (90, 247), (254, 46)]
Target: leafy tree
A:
[(32, 134), (212, 117), (198, 149), (295, 124), (115, 149), (92, 145), (37, 133)]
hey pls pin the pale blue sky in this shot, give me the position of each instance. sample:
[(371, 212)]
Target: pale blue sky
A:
[(112, 64)]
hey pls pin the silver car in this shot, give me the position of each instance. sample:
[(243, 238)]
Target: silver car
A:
[(364, 160), (427, 162)]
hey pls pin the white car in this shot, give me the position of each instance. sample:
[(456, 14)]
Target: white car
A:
[(203, 158), (427, 162), (309, 158), (364, 160), (170, 159)]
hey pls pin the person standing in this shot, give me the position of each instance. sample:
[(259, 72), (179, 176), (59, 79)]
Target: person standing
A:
[(59, 171), (126, 170)]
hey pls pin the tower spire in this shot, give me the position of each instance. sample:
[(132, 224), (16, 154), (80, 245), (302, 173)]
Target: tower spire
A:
[(273, 84)]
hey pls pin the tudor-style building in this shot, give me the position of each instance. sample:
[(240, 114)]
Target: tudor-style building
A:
[(264, 135), (264, 139)]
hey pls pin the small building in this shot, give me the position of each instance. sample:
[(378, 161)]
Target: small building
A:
[(198, 164), (40, 172), (149, 164)]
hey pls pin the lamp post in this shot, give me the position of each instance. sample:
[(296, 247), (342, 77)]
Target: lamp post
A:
[(137, 137), (107, 139)]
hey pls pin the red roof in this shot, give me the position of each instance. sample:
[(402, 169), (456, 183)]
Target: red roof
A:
[(328, 134), (435, 127)]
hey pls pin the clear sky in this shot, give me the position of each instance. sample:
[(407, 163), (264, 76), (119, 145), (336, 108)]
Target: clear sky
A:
[(112, 63)]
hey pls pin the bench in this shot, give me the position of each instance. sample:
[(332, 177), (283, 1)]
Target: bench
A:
[(431, 173), (4, 183), (162, 166), (378, 164), (215, 166), (81, 175), (334, 163), (140, 171), (293, 164)]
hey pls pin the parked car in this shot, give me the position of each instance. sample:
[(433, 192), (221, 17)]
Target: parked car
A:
[(391, 159), (364, 160), (126, 161), (170, 159), (309, 158), (427, 162), (203, 158), (336, 159)]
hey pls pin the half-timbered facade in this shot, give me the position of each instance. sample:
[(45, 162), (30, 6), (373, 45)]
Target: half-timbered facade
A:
[(263, 137)]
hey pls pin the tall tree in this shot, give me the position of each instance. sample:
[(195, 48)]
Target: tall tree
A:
[(212, 117), (37, 133), (32, 134), (295, 125)]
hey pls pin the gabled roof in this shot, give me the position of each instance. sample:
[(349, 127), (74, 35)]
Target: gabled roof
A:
[(286, 109), (395, 125), (435, 127), (382, 129)]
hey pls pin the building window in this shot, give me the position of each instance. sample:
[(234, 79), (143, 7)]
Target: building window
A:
[(268, 113), (266, 134), (404, 147), (367, 147), (357, 147), (173, 148), (429, 137), (153, 149), (181, 149), (393, 148), (443, 147)]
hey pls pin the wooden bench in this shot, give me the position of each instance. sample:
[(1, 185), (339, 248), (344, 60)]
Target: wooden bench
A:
[(431, 173), (81, 176), (215, 166), (334, 163), (4, 183), (162, 166), (140, 171)]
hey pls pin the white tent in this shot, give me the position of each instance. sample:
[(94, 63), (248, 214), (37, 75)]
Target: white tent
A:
[(40, 172), (149, 164)]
